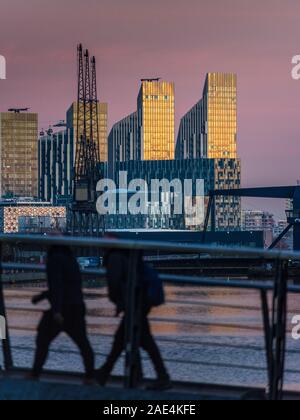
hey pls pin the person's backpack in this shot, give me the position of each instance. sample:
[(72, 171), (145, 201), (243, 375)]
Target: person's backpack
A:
[(154, 287)]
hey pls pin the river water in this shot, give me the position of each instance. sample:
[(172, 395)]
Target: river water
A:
[(205, 335)]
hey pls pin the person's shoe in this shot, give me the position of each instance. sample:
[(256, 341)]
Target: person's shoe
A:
[(101, 376), (89, 382), (160, 385), (31, 377)]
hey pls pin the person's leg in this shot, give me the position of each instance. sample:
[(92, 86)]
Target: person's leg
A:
[(75, 327), (48, 330), (117, 347), (149, 345), (139, 371), (103, 373)]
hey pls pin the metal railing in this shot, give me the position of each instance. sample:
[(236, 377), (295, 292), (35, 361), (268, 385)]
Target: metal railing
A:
[(274, 326)]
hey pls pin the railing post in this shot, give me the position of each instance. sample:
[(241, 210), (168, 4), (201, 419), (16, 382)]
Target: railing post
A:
[(6, 348), (132, 321), (207, 217), (268, 337), (213, 214), (278, 333)]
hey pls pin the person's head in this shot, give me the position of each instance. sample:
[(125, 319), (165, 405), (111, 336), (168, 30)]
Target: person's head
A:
[(110, 236), (57, 233)]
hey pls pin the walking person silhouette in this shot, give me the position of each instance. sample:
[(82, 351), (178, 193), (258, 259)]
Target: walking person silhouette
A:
[(117, 266), (67, 312)]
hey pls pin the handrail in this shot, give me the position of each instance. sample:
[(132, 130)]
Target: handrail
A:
[(171, 279), (149, 245), (41, 268)]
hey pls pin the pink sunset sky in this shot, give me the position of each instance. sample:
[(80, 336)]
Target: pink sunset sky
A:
[(178, 40)]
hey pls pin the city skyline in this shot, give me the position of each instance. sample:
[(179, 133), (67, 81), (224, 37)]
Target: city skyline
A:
[(170, 40), (149, 202)]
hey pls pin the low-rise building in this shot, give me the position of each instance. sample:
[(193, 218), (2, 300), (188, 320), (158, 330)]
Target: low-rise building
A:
[(25, 216)]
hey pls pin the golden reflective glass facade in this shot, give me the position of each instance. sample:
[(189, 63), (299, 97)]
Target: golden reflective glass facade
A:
[(221, 97), (156, 107), (209, 130), (19, 154), (102, 121), (103, 116)]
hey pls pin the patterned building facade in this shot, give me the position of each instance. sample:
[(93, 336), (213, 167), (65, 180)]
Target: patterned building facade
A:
[(30, 217), (227, 175)]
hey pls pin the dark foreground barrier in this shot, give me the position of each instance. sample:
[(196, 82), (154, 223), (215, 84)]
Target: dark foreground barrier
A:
[(274, 310)]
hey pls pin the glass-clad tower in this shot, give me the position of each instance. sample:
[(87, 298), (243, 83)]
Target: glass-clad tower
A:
[(149, 132), (209, 129), (220, 99), (18, 154), (207, 136), (156, 108)]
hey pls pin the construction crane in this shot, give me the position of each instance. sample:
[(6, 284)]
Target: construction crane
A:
[(84, 217), (18, 110)]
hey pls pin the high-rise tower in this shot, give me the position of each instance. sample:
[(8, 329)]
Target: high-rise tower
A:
[(209, 129), (156, 103), (148, 133), (18, 154)]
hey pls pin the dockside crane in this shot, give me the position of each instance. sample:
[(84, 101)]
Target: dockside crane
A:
[(84, 218)]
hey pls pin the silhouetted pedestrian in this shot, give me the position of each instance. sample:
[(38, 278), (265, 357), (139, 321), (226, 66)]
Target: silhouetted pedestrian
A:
[(117, 265), (67, 313)]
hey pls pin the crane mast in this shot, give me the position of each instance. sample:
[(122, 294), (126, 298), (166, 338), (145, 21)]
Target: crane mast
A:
[(84, 218)]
